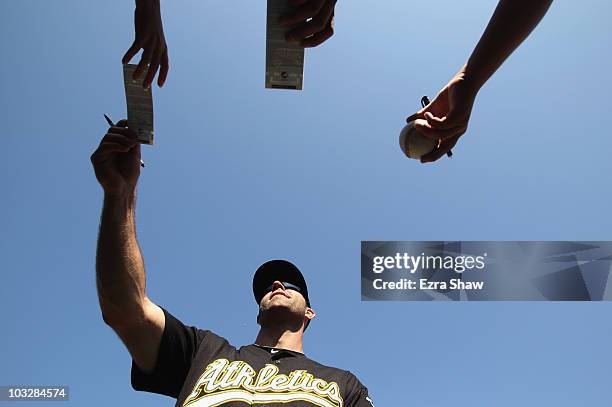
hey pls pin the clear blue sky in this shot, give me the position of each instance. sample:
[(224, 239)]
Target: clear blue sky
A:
[(240, 174)]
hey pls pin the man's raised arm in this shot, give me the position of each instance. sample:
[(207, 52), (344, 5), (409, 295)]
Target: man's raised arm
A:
[(120, 273)]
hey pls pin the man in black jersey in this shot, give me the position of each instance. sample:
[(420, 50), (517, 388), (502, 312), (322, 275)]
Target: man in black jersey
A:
[(195, 366)]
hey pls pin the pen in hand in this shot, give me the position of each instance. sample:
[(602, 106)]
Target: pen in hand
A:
[(110, 123)]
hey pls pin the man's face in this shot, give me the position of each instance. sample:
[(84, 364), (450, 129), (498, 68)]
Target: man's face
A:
[(283, 306)]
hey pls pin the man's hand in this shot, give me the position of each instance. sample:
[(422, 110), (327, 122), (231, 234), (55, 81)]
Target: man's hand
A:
[(117, 160), (149, 36), (313, 21), (447, 116)]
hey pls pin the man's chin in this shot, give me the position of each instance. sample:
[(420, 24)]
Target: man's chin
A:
[(277, 308), (279, 315)]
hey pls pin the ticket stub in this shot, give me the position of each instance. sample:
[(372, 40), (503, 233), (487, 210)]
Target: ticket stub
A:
[(284, 61), (139, 105)]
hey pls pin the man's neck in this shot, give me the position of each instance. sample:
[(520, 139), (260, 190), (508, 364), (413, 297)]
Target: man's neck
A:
[(281, 340)]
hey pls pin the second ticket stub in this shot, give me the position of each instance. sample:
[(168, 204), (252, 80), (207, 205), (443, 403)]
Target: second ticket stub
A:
[(284, 61), (139, 105)]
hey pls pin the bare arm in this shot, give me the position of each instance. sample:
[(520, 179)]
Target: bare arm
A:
[(512, 22), (120, 273), (449, 112)]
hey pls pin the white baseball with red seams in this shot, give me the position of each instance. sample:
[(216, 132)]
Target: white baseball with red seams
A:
[(413, 143)]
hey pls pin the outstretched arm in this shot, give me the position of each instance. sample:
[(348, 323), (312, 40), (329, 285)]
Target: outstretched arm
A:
[(512, 22), (449, 112), (120, 273)]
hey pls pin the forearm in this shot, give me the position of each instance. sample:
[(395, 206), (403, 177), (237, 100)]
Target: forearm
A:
[(120, 273), (149, 7), (147, 3), (512, 22)]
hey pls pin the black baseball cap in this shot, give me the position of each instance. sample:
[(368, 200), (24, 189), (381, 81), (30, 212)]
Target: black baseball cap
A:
[(278, 270)]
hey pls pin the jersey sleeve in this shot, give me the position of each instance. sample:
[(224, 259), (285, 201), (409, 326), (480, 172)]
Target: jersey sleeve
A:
[(177, 349), (356, 393)]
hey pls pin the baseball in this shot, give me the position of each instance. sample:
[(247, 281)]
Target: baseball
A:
[(413, 143)]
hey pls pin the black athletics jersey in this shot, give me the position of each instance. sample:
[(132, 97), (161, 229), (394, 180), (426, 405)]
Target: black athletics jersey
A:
[(201, 369)]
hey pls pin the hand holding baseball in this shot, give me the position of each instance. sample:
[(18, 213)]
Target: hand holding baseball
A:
[(446, 116)]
